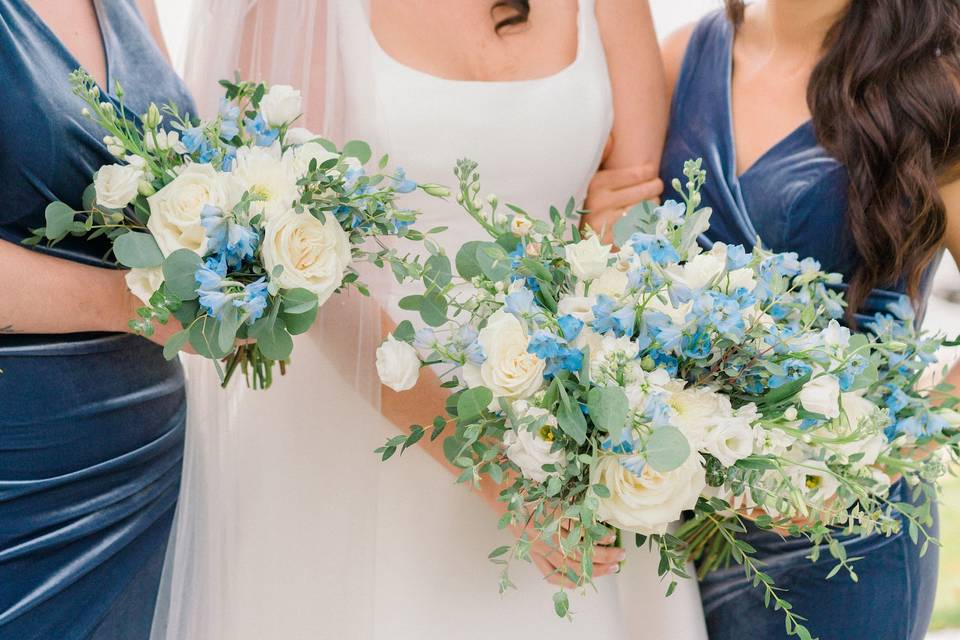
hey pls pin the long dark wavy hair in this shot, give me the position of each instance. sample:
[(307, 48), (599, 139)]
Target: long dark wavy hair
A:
[(885, 101), (520, 13)]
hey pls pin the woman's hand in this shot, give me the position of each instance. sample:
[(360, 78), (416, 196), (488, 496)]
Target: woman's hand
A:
[(613, 191), (555, 566)]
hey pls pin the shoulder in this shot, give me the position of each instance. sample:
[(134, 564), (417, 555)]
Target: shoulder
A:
[(673, 48)]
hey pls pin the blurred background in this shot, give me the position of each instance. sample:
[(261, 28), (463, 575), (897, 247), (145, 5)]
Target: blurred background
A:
[(943, 315)]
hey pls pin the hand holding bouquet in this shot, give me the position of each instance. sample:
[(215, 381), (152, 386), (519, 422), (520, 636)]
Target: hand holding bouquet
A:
[(621, 391), (240, 227)]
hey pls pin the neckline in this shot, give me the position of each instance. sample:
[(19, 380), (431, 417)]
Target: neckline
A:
[(731, 131), (102, 25), (485, 83)]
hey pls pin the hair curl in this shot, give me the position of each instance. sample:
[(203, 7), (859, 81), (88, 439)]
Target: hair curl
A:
[(885, 102)]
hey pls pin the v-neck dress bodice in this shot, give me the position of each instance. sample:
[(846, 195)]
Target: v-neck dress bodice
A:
[(793, 198), (91, 425)]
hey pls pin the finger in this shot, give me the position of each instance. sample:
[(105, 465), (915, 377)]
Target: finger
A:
[(610, 539), (622, 178), (551, 573), (606, 569), (625, 198), (558, 559), (608, 555)]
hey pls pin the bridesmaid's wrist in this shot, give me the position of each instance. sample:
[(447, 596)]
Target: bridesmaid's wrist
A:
[(124, 306)]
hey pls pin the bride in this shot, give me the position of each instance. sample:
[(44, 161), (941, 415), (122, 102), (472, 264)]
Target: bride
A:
[(289, 526)]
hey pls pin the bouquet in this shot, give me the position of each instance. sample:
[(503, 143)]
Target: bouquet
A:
[(240, 227), (617, 392)]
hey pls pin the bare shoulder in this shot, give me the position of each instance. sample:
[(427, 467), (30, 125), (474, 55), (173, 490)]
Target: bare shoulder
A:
[(673, 48), (950, 192)]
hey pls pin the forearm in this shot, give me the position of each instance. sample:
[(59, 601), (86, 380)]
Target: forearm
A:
[(420, 406), (43, 294)]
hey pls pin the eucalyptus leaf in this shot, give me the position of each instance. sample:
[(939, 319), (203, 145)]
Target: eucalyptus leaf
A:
[(204, 338), (433, 309), (175, 343), (404, 331), (357, 149), (227, 331), (570, 417), (436, 272), (59, 220), (467, 265), (666, 449), (609, 408), (297, 301), (473, 402), (180, 273), (137, 251), (494, 261)]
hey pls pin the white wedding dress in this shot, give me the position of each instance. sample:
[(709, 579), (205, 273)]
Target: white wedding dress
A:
[(320, 539)]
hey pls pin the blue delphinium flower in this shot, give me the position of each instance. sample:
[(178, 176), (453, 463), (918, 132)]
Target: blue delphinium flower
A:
[(554, 350), (672, 212), (795, 369), (225, 236), (401, 183), (520, 302), (607, 317), (196, 143), (425, 338), (737, 257), (570, 327), (917, 426), (468, 344), (722, 312), (254, 301), (696, 345), (263, 134), (657, 247), (902, 309), (209, 279), (662, 330)]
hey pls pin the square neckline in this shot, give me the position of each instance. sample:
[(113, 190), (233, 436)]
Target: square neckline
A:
[(466, 82), (102, 25), (730, 130)]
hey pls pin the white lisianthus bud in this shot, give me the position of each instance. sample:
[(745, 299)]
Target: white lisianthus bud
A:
[(116, 185), (822, 395), (146, 189), (588, 258), (281, 105), (500, 219), (492, 200), (438, 191), (152, 118), (790, 414), (85, 112), (521, 225), (477, 203), (143, 283), (398, 364)]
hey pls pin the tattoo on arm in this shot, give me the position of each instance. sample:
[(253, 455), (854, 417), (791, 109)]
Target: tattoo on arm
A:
[(8, 329)]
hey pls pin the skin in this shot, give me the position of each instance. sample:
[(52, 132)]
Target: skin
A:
[(776, 49), (457, 41), (44, 294)]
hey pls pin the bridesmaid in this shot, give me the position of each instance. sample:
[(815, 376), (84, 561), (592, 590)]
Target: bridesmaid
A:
[(91, 418), (830, 128)]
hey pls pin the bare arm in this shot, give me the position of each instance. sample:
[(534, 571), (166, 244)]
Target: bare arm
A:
[(44, 294), (641, 84)]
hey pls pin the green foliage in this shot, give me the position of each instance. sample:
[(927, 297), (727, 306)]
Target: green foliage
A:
[(137, 251), (179, 273), (666, 449)]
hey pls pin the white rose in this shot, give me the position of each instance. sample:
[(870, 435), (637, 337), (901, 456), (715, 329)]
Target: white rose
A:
[(300, 157), (530, 450), (116, 185), (588, 258), (613, 283), (398, 364), (648, 502), (175, 209), (282, 105), (299, 135), (143, 283), (509, 370), (267, 173), (822, 395), (579, 307), (521, 225), (698, 272), (314, 255), (729, 440)]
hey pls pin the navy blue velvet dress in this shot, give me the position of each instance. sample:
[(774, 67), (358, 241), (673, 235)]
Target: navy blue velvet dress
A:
[(91, 425), (794, 198)]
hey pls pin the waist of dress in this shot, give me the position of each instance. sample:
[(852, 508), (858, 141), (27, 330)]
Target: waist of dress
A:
[(65, 344)]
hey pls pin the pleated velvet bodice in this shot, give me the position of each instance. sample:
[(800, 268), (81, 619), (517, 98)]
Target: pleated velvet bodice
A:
[(793, 198)]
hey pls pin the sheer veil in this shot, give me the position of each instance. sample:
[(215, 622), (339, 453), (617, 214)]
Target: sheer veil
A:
[(206, 592)]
